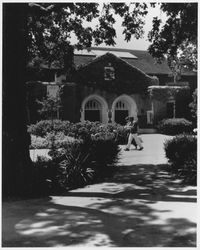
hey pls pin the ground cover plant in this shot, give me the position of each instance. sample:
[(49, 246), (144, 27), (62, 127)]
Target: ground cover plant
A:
[(182, 154)]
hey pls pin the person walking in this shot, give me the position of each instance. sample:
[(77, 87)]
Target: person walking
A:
[(127, 127), (132, 125)]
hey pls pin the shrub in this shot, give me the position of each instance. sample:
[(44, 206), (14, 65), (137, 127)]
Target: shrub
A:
[(180, 147), (75, 166), (104, 149), (38, 142), (182, 154), (121, 135), (189, 170), (45, 129), (175, 126), (64, 170), (47, 174), (79, 162), (40, 129), (193, 106), (60, 140), (46, 126), (86, 128)]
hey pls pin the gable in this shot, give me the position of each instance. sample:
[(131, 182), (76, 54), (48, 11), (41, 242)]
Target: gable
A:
[(137, 58), (124, 74)]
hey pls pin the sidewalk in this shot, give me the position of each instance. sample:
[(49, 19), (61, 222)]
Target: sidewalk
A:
[(141, 206)]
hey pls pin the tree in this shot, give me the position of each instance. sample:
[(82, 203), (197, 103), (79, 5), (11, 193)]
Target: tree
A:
[(50, 107), (51, 26), (16, 163), (177, 38), (43, 30), (186, 58)]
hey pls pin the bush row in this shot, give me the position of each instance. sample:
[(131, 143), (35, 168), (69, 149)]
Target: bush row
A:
[(45, 128), (182, 154), (175, 126)]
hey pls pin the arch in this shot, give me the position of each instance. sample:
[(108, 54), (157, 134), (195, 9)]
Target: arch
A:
[(128, 104), (101, 103)]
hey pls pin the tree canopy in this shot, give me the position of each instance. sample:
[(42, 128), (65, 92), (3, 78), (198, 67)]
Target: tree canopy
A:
[(177, 34), (50, 27)]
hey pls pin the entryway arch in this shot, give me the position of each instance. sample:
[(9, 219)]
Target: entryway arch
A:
[(94, 108), (122, 107)]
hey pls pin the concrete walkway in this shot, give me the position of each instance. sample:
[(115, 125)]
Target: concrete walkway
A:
[(141, 206)]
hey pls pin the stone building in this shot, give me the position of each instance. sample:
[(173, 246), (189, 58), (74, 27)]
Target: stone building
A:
[(109, 84)]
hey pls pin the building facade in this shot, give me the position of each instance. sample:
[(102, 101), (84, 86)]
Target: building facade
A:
[(108, 86)]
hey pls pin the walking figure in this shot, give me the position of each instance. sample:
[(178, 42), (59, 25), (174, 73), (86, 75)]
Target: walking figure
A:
[(132, 125)]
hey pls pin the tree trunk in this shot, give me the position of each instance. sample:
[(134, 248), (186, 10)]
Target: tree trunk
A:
[(16, 162)]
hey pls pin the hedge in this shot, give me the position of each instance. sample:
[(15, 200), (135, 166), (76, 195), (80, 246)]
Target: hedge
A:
[(42, 128), (175, 126), (182, 154), (77, 130)]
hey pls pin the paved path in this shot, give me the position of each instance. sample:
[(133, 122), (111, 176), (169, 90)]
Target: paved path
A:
[(141, 206)]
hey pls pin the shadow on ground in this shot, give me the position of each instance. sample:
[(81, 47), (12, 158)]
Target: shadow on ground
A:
[(141, 206)]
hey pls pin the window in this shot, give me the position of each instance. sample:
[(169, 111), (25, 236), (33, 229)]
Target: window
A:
[(109, 73)]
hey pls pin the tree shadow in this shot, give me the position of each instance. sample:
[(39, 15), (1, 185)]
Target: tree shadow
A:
[(124, 213), (148, 182)]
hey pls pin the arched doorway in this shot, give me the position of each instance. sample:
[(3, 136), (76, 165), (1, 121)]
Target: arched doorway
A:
[(122, 107), (121, 111), (94, 108), (93, 111)]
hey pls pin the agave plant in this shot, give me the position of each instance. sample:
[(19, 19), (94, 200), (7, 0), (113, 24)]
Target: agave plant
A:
[(75, 169)]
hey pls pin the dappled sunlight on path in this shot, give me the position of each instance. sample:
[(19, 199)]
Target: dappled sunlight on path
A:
[(140, 206)]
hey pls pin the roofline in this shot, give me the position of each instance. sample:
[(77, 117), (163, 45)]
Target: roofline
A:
[(119, 58), (114, 49)]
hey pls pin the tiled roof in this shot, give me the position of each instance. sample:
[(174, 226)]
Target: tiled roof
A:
[(144, 60)]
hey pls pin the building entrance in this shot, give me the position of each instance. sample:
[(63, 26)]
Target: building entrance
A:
[(121, 112), (120, 116), (93, 111)]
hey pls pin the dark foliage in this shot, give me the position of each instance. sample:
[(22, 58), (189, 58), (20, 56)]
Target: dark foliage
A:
[(175, 126), (60, 19), (180, 27), (78, 163), (74, 166), (193, 107), (189, 170), (182, 154), (104, 149)]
